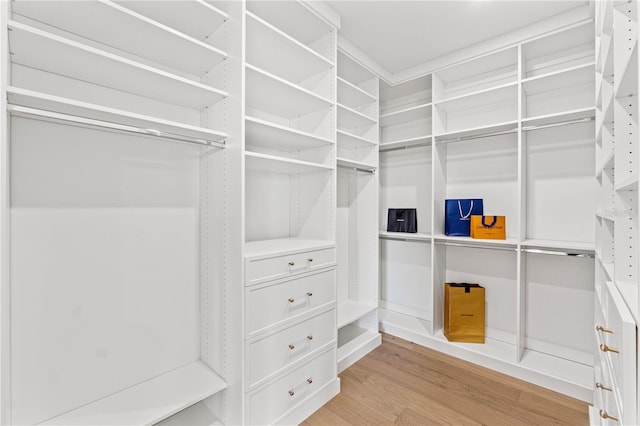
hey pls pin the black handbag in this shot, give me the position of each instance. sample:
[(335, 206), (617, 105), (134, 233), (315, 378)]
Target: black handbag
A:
[(402, 220)]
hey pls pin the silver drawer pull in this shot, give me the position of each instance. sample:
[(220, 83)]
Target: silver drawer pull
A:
[(309, 294), (605, 415), (292, 347), (603, 387), (309, 380), (603, 329), (291, 392), (292, 263), (291, 300), (309, 337), (605, 348)]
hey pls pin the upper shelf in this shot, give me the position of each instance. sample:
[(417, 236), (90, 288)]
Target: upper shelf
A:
[(263, 133), (256, 161), (351, 141), (355, 165), (38, 49), (419, 112), (198, 18), (349, 118), (548, 120), (352, 95), (559, 80), (29, 98), (148, 402), (479, 132), (351, 71), (269, 93), (136, 34), (273, 50)]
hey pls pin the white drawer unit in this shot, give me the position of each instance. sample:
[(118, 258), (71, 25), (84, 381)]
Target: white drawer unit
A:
[(275, 302), (270, 354), (616, 340), (276, 399), (270, 268)]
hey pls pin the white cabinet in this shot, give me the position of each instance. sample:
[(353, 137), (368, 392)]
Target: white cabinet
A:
[(515, 128), (357, 202), (616, 394), (289, 214), (110, 312)]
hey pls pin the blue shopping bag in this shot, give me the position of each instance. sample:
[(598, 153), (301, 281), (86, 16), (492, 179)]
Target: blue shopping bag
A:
[(457, 215)]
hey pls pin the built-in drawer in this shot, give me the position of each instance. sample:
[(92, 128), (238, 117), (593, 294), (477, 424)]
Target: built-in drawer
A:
[(616, 339), (274, 302), (272, 353), (275, 399), (271, 268)]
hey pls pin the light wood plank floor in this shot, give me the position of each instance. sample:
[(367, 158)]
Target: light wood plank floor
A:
[(404, 383)]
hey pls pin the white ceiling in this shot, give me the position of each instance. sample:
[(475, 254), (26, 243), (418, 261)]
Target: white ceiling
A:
[(399, 35)]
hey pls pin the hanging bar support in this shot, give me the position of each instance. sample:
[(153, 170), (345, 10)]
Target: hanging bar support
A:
[(54, 116)]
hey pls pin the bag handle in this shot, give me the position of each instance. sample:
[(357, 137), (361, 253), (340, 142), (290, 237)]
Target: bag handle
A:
[(495, 219), (465, 216)]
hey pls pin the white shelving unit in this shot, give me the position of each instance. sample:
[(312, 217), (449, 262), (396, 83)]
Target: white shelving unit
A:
[(503, 127), (116, 248), (616, 390), (357, 199), (289, 214)]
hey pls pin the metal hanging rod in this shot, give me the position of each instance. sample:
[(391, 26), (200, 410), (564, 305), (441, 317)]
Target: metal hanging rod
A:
[(407, 239), (490, 247), (82, 121), (471, 137), (558, 253), (402, 147), (561, 123), (357, 169)]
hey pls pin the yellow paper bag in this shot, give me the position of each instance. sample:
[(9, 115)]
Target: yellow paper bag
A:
[(489, 227), (464, 313)]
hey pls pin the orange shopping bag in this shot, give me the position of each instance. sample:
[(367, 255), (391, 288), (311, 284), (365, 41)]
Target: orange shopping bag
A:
[(464, 313), (489, 227)]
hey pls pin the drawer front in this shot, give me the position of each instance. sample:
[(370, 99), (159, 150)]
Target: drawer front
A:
[(274, 400), (274, 303), (617, 351), (274, 352), (260, 270)]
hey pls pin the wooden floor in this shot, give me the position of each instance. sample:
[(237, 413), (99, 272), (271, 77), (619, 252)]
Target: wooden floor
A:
[(404, 383)]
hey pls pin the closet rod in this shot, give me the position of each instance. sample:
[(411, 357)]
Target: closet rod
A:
[(34, 112), (558, 253), (471, 137), (357, 169), (399, 238), (397, 148), (454, 244), (561, 123)]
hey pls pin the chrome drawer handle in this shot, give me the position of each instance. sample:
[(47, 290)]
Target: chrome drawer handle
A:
[(292, 347), (605, 348), (291, 300), (291, 393), (309, 380), (309, 294), (310, 259), (309, 337), (603, 329), (605, 415), (292, 263), (603, 387)]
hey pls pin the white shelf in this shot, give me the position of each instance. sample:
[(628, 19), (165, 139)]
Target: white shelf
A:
[(352, 340), (406, 143), (351, 95), (269, 93), (198, 18), (578, 115), (606, 215), (509, 243), (627, 83), (629, 292), (29, 98), (264, 133), (351, 71), (350, 141), (351, 310), (349, 118), (405, 236), (266, 248), (478, 132), (559, 79), (419, 112), (135, 33), (148, 402), (552, 245), (357, 165), (480, 97), (572, 372), (286, 56), (274, 164), (198, 414), (37, 49), (629, 183)]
